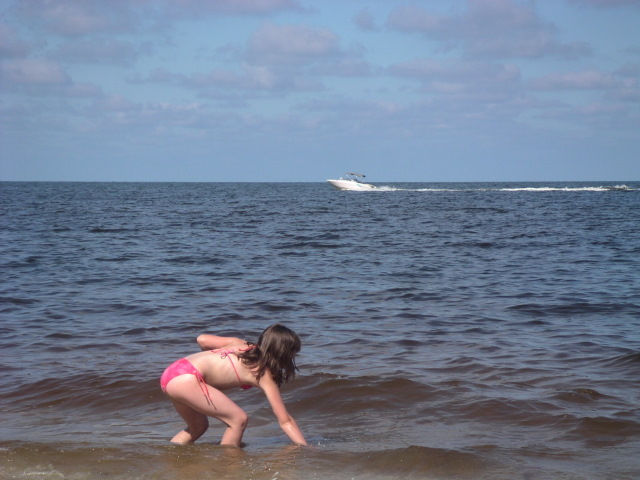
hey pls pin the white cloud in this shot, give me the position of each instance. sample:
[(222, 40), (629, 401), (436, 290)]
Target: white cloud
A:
[(278, 59), (114, 103), (608, 3), (11, 46), (344, 67), (489, 28), (83, 90), (364, 19), (235, 7), (449, 76), (290, 44), (412, 18), (80, 17), (584, 80), (33, 72), (37, 77), (96, 51)]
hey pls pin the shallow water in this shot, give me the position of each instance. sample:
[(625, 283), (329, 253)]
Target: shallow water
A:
[(449, 330)]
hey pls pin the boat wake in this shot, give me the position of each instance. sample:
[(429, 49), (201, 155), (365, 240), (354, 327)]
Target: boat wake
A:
[(601, 188)]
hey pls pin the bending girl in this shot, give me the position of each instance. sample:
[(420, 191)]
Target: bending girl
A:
[(195, 383)]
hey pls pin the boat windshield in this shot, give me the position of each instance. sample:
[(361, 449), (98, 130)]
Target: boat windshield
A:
[(354, 176)]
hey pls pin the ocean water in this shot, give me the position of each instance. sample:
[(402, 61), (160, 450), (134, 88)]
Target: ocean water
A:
[(450, 331)]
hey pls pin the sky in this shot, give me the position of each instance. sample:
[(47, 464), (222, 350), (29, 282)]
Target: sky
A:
[(306, 90)]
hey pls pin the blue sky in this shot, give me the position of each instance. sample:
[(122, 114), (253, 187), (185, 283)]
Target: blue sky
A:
[(296, 90)]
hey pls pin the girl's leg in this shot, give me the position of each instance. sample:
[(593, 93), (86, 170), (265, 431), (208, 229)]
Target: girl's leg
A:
[(190, 402), (197, 424)]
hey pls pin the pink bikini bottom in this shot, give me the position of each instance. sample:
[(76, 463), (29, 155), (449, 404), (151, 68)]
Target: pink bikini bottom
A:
[(182, 367), (179, 367)]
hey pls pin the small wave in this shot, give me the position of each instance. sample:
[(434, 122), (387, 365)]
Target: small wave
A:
[(579, 396), (573, 308), (60, 336), (311, 238), (122, 258), (308, 244), (362, 393), (110, 230), (484, 209), (18, 301), (502, 410), (29, 261), (629, 359), (274, 307), (139, 331), (84, 391), (605, 431), (196, 260)]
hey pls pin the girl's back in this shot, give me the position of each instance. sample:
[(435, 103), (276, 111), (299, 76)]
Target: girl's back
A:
[(222, 369)]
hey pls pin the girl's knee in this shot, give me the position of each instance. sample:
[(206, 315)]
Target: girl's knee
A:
[(240, 420)]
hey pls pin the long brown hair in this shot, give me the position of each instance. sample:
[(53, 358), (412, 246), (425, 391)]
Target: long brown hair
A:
[(276, 352)]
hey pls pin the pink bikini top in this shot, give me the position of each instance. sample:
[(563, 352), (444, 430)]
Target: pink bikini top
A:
[(226, 354)]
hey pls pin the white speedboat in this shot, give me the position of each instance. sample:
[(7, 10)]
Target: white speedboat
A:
[(351, 181)]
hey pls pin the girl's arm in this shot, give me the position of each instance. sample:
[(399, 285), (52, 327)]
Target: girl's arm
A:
[(213, 342), (286, 421)]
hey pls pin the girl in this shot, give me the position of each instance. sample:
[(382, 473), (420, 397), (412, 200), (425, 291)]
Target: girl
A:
[(195, 383)]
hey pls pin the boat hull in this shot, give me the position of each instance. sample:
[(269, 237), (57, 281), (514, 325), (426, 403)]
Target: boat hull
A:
[(350, 185)]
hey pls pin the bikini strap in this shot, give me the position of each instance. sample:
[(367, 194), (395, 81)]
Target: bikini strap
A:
[(203, 387), (225, 354)]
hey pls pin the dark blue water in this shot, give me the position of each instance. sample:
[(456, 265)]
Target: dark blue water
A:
[(449, 330)]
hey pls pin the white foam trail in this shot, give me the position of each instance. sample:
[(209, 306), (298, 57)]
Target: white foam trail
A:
[(603, 188)]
